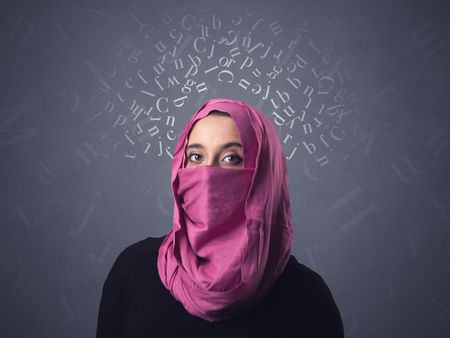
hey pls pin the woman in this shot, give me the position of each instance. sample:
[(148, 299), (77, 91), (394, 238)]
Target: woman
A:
[(225, 268)]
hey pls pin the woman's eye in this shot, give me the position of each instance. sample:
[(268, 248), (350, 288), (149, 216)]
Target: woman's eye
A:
[(191, 155), (232, 159), (237, 157)]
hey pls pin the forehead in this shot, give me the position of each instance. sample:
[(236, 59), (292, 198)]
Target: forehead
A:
[(214, 127)]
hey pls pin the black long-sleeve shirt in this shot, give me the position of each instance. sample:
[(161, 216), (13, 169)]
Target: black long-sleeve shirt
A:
[(135, 304)]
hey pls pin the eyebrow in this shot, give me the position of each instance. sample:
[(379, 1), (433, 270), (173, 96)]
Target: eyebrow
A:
[(224, 146)]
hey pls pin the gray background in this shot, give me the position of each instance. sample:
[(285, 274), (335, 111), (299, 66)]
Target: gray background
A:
[(85, 144)]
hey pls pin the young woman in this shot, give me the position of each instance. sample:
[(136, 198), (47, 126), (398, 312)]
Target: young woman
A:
[(225, 268)]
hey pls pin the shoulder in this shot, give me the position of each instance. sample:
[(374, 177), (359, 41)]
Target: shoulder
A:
[(311, 290), (132, 255), (309, 283), (149, 244), (305, 277)]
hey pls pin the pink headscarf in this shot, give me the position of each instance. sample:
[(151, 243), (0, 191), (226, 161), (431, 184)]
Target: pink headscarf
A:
[(232, 228)]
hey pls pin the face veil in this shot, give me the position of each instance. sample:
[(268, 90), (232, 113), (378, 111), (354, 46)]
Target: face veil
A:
[(232, 231)]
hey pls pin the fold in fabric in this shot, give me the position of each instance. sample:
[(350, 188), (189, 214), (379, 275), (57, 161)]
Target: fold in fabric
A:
[(231, 236)]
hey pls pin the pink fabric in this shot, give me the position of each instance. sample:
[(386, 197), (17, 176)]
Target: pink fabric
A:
[(232, 228)]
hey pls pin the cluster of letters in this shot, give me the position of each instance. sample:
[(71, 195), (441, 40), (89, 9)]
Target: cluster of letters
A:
[(165, 72)]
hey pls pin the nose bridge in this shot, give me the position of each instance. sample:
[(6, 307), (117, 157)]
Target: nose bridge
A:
[(211, 161), (211, 158)]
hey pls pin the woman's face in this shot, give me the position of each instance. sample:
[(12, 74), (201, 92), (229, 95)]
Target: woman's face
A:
[(214, 140)]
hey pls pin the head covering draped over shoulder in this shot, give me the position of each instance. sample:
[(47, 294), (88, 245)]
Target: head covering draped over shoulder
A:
[(232, 230)]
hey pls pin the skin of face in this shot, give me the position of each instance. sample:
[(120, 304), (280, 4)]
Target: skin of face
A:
[(214, 140)]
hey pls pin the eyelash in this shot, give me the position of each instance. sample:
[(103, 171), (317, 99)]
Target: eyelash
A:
[(235, 155)]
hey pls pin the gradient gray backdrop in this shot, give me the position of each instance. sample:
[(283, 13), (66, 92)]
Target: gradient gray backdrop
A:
[(358, 91)]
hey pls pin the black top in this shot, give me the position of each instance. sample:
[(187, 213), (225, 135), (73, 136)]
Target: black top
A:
[(136, 304)]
